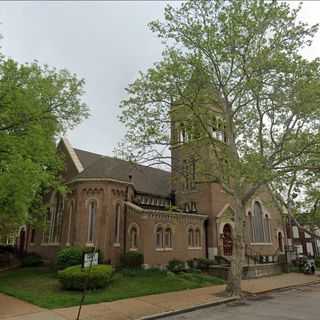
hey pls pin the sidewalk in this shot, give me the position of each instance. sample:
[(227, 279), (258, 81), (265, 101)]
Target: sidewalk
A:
[(137, 308)]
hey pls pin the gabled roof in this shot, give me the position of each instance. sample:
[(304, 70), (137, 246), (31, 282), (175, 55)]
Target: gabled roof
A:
[(145, 179)]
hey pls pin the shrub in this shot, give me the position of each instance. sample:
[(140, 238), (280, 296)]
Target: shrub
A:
[(317, 261), (32, 260), (68, 257), (176, 266), (75, 278), (132, 260), (203, 263)]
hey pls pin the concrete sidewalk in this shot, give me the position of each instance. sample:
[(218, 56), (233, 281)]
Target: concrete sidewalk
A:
[(137, 308)]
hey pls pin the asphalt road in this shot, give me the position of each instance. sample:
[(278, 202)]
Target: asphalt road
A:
[(295, 304)]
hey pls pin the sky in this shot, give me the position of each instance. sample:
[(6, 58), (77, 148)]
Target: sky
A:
[(106, 43)]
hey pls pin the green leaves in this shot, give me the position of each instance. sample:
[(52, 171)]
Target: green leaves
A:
[(37, 105)]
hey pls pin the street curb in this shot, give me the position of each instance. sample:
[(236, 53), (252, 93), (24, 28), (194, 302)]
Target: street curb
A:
[(189, 309), (248, 294)]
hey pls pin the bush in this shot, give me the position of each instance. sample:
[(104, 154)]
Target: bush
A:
[(72, 256), (176, 266), (203, 263), (32, 260), (68, 257), (317, 261), (75, 278), (132, 260)]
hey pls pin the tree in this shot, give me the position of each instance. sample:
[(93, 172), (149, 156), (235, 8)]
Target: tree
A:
[(247, 55), (37, 104)]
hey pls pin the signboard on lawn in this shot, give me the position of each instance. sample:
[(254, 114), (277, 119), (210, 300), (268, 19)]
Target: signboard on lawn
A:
[(90, 259)]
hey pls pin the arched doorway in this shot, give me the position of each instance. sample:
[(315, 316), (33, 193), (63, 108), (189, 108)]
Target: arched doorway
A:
[(22, 241), (280, 241), (227, 240)]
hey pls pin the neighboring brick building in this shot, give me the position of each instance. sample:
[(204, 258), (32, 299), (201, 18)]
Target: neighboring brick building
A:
[(301, 242), (119, 206)]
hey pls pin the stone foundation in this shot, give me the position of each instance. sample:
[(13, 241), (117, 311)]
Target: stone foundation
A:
[(249, 272)]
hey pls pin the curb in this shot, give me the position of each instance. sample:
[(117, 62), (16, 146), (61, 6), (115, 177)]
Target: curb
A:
[(248, 294), (189, 309)]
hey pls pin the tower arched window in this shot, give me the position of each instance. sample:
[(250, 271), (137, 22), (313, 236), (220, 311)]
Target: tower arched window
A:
[(117, 224), (92, 220)]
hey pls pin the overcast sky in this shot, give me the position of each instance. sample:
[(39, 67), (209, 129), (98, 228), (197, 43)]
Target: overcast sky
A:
[(106, 43)]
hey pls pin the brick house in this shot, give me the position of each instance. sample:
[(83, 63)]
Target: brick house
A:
[(119, 206)]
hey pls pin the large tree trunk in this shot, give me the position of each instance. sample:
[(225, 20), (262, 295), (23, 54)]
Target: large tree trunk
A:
[(235, 274)]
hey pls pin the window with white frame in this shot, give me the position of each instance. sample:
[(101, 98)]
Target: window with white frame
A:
[(261, 225), (190, 238), (133, 238), (159, 238), (168, 238), (295, 232), (117, 224), (54, 220), (92, 216)]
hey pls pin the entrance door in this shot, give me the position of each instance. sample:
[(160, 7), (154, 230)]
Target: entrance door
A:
[(227, 240)]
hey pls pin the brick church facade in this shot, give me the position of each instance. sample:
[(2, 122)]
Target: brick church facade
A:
[(120, 207)]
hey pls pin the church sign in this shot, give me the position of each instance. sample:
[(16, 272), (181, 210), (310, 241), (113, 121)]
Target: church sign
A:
[(90, 259)]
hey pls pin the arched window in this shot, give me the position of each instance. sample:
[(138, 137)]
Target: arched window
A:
[(70, 223), (117, 224), (133, 238), (190, 238), (267, 229), (159, 238), (258, 223), (198, 238), (92, 220), (251, 229), (168, 238)]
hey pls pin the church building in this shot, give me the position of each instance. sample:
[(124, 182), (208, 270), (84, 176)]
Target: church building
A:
[(119, 206)]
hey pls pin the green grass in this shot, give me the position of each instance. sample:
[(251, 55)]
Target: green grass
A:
[(40, 286)]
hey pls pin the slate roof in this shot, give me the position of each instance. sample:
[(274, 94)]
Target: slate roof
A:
[(145, 179)]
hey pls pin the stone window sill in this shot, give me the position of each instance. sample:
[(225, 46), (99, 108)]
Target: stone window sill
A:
[(194, 248), (117, 244)]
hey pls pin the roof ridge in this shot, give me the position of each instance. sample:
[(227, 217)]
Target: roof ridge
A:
[(118, 159)]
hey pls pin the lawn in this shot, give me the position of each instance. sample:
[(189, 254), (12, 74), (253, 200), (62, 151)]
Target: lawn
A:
[(40, 286)]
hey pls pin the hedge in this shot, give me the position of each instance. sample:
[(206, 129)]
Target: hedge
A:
[(75, 278), (131, 260)]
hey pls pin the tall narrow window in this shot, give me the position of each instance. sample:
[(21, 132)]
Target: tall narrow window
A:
[(159, 238), (190, 238), (258, 222), (69, 223), (133, 238), (92, 220), (267, 229), (198, 238), (251, 230), (168, 238), (117, 224), (54, 220)]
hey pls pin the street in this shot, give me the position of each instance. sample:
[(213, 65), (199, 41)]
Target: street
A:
[(300, 303)]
